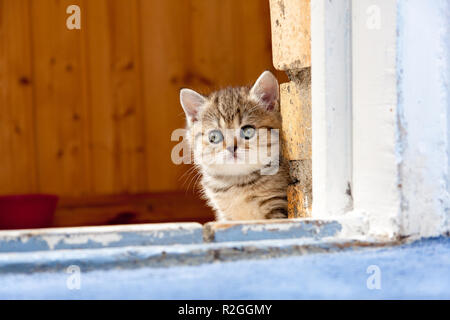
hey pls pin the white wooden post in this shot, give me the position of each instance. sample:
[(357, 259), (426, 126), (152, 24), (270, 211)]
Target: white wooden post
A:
[(331, 107), (380, 114), (423, 77), (375, 172), (400, 115)]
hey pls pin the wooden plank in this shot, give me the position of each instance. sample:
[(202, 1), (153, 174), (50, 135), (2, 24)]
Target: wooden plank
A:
[(166, 54), (127, 209), (213, 44), (230, 42), (253, 46), (117, 116), (143, 235), (299, 199), (17, 152), (60, 100), (274, 229)]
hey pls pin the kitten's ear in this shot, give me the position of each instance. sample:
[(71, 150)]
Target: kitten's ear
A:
[(191, 102), (265, 90)]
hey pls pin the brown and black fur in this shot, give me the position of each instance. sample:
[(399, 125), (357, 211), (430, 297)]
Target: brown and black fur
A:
[(240, 191)]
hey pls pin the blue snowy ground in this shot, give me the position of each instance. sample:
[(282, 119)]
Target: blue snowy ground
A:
[(420, 270)]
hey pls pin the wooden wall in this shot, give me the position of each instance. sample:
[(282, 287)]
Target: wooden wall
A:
[(90, 112)]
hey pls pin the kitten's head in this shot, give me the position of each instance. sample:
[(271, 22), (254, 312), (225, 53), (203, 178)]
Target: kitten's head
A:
[(234, 131)]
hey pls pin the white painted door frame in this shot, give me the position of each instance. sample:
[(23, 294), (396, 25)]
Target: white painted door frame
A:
[(331, 112), (380, 114)]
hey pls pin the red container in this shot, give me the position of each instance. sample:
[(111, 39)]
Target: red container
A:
[(27, 211)]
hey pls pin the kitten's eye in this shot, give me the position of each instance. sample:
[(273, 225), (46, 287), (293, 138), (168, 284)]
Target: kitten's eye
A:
[(247, 132), (215, 136)]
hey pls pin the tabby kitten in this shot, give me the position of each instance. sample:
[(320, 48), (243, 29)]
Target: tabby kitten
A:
[(235, 147)]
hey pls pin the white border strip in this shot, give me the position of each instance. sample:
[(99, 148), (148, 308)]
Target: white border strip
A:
[(331, 107)]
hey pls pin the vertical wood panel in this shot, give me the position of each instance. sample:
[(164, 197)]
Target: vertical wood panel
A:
[(254, 51), (117, 121), (214, 43), (166, 54), (17, 153), (60, 100)]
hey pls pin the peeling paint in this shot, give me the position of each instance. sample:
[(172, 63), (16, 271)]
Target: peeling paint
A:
[(103, 239), (100, 237), (167, 256), (281, 229)]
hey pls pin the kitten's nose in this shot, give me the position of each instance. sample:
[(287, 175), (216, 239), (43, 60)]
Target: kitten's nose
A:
[(232, 149)]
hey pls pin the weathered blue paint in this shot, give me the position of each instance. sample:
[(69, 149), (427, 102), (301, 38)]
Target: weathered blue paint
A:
[(282, 229), (412, 271), (164, 256), (163, 234), (100, 237)]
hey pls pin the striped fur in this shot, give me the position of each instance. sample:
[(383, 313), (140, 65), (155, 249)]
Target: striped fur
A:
[(238, 191)]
